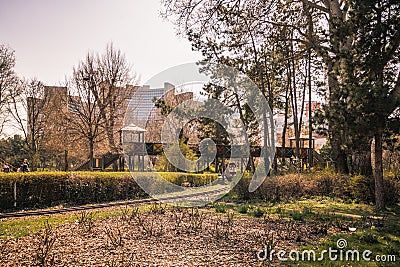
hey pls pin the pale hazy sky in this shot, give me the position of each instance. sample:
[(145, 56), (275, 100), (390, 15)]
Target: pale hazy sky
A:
[(51, 36)]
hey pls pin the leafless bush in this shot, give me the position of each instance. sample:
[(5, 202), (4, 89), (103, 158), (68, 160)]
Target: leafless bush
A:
[(158, 208), (45, 242), (320, 229), (85, 220), (196, 219), (134, 213), (178, 217), (266, 241), (146, 221), (289, 230), (114, 236), (223, 227), (149, 225), (267, 217), (294, 186), (125, 213)]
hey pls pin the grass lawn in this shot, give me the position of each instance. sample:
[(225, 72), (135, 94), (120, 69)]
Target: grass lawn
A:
[(358, 224)]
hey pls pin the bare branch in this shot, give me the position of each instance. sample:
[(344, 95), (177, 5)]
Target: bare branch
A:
[(314, 5)]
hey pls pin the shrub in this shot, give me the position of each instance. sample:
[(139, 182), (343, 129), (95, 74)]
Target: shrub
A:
[(192, 178), (243, 209), (369, 237), (323, 183), (362, 188), (295, 186), (220, 208), (297, 216), (258, 213)]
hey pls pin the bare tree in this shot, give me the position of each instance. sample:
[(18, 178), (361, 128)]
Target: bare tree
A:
[(25, 105), (84, 116), (99, 89), (114, 75), (8, 81)]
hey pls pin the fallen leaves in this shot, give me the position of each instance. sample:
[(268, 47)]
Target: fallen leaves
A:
[(173, 237)]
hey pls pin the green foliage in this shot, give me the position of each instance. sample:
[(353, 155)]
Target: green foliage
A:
[(209, 128), (13, 150), (279, 210), (297, 216), (258, 212), (369, 237), (220, 208), (326, 152), (362, 188), (163, 164), (243, 208), (162, 106)]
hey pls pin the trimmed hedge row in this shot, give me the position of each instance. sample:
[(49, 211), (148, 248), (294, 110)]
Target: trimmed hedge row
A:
[(295, 186), (44, 189)]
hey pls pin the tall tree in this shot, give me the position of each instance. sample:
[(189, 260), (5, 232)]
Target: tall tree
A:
[(376, 71), (360, 48), (8, 81), (25, 106), (100, 86), (228, 32), (84, 117), (115, 77)]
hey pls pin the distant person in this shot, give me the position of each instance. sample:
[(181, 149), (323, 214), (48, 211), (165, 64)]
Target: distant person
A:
[(6, 168), (25, 166)]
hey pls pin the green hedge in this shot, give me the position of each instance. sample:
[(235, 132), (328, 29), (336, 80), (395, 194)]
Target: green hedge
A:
[(44, 189)]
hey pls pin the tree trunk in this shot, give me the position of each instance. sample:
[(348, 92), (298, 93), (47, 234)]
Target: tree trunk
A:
[(293, 97), (378, 170), (285, 125), (361, 162), (110, 136), (338, 154), (66, 160), (91, 154), (35, 161), (252, 164), (361, 158)]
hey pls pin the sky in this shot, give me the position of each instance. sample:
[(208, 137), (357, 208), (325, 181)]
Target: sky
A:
[(50, 37)]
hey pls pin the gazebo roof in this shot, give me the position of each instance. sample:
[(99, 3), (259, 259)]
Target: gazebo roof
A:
[(133, 128)]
